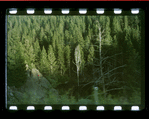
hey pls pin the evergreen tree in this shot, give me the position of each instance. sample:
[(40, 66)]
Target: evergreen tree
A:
[(90, 55), (66, 37), (33, 34), (54, 39), (44, 62), (51, 60), (37, 52), (90, 59), (29, 53), (108, 38), (16, 66), (67, 55), (86, 47), (136, 39), (60, 59), (125, 22), (116, 27), (41, 35)]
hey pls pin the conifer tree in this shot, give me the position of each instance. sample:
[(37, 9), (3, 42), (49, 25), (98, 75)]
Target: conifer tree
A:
[(86, 47), (51, 60), (108, 38), (67, 55), (90, 59), (43, 62), (60, 59), (16, 66), (125, 22), (41, 34), (66, 36), (54, 39), (37, 52), (29, 53), (90, 55), (116, 27)]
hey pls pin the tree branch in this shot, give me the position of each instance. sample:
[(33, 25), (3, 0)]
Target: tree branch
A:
[(115, 69), (113, 74), (111, 56), (111, 81), (114, 89)]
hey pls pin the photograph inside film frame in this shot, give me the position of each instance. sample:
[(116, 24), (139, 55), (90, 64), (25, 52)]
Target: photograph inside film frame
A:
[(64, 59)]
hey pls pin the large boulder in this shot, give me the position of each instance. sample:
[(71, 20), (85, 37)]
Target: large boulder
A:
[(34, 91)]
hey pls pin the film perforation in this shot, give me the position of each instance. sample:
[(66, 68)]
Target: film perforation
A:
[(30, 11), (30, 107), (66, 11), (81, 108), (117, 108)]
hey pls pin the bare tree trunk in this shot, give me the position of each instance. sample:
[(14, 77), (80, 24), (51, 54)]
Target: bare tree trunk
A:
[(101, 72), (78, 82), (69, 71)]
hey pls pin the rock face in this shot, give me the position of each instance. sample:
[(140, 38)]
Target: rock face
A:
[(34, 91)]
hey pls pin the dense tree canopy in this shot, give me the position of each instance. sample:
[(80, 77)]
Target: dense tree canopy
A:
[(48, 43)]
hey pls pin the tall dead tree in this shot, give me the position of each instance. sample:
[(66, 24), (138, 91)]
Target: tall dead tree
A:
[(101, 72), (78, 62)]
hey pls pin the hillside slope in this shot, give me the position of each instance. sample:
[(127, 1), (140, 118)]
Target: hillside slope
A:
[(33, 91)]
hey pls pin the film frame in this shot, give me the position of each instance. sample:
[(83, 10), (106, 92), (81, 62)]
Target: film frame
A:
[(79, 12)]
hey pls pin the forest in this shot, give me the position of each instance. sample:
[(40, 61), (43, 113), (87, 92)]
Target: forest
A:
[(85, 57)]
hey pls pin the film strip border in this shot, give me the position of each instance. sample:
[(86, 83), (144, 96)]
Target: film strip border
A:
[(79, 11), (79, 108), (67, 11)]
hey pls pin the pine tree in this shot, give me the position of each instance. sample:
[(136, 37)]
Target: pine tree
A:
[(60, 59), (20, 70), (51, 60), (108, 38), (43, 62), (37, 52), (116, 27), (41, 35), (16, 66), (29, 53), (136, 39), (125, 22), (67, 55), (66, 37), (54, 39), (90, 55), (86, 47)]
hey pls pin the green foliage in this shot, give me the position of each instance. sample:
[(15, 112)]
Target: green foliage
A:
[(43, 62), (51, 60), (16, 66), (60, 59), (54, 81), (68, 58), (51, 99), (135, 99), (91, 55), (85, 101), (29, 52), (37, 53), (48, 43), (108, 38)]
